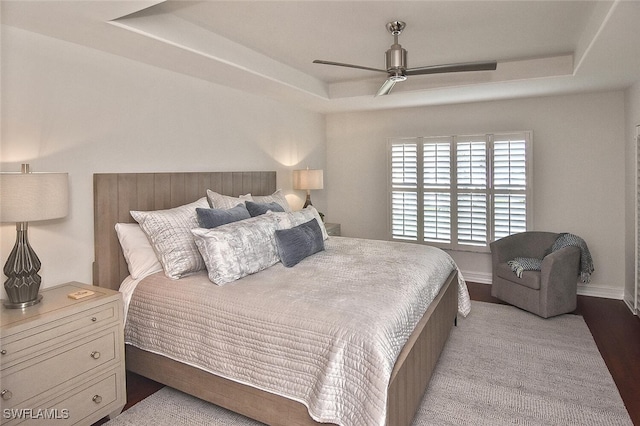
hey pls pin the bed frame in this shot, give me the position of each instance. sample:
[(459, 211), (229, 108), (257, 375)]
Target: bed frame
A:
[(116, 194)]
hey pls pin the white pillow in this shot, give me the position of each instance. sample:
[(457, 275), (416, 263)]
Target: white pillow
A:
[(140, 257), (169, 232), (292, 219), (225, 202), (238, 249), (277, 197)]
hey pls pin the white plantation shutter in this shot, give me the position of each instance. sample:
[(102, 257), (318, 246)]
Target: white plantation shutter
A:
[(405, 215), (437, 164), (509, 215), (404, 165), (437, 189), (509, 185), (404, 196), (471, 164), (460, 192), (471, 178), (437, 217), (472, 219), (509, 164)]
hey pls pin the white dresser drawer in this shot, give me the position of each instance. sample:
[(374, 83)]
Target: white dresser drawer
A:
[(30, 378), (85, 404), (39, 339), (57, 355)]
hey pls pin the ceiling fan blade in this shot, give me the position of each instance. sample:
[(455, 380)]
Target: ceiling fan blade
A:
[(460, 67), (386, 87), (318, 61)]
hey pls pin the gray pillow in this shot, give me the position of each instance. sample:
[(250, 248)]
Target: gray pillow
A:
[(299, 242), (256, 209), (212, 218)]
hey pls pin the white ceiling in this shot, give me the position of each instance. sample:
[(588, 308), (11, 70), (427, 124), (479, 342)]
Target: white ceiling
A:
[(267, 47)]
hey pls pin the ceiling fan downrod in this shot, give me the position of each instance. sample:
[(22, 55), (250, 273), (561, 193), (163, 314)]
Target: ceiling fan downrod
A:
[(396, 56)]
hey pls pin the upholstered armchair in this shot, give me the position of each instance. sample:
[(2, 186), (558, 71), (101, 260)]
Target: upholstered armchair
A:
[(548, 292)]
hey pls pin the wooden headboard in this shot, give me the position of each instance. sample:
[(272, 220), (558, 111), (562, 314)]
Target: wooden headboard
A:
[(116, 194)]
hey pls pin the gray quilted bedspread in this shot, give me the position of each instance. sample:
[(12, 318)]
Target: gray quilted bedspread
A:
[(326, 332)]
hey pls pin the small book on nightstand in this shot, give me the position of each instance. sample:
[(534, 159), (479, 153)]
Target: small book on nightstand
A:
[(80, 294)]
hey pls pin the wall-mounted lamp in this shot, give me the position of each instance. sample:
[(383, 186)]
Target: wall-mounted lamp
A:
[(307, 179), (29, 197)]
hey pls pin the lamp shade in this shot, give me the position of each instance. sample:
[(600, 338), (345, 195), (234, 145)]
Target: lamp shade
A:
[(307, 179), (28, 197)]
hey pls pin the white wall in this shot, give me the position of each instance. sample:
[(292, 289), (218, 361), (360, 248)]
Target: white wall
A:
[(578, 177), (73, 109), (70, 108), (632, 109)]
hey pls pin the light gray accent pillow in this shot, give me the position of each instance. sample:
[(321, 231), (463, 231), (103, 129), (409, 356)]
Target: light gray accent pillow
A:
[(169, 232), (212, 218), (238, 249), (277, 197), (299, 242), (219, 201), (289, 220)]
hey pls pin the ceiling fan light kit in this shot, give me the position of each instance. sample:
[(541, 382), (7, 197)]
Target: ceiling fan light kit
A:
[(396, 63)]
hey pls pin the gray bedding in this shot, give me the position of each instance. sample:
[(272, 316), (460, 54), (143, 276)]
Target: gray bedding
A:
[(326, 332)]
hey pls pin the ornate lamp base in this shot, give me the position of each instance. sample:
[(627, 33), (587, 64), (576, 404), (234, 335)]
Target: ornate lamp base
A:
[(307, 203), (22, 268)]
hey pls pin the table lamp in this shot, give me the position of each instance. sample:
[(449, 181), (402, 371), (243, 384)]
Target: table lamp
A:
[(307, 179), (29, 197)]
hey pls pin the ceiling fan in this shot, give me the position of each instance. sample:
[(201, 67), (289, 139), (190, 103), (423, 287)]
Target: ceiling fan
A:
[(396, 63)]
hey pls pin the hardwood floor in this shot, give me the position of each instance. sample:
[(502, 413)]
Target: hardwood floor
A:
[(615, 330)]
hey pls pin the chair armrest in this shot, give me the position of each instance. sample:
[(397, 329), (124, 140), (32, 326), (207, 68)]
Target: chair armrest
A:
[(561, 266), (524, 244)]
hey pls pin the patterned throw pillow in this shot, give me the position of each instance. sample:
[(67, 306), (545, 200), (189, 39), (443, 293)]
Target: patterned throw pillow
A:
[(238, 249), (169, 232)]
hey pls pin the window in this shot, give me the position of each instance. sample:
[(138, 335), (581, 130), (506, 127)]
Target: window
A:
[(460, 192)]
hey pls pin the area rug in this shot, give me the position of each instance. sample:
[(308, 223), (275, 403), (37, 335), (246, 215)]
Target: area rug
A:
[(501, 366)]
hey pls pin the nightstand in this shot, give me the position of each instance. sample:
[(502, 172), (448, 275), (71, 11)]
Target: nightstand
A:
[(62, 360), (333, 229)]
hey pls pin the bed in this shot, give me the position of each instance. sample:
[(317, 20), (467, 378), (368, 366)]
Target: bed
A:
[(115, 195)]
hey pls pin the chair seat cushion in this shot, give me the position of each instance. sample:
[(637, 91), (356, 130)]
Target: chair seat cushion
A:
[(530, 279)]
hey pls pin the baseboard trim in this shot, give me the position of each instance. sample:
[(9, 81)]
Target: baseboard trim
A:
[(633, 310), (583, 289), (604, 292), (477, 277), (628, 300)]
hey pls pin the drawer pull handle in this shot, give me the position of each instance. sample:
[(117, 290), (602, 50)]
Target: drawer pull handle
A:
[(6, 394), (95, 354), (3, 352), (97, 399), (94, 319)]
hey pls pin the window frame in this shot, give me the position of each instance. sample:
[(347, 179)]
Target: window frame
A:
[(453, 190)]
